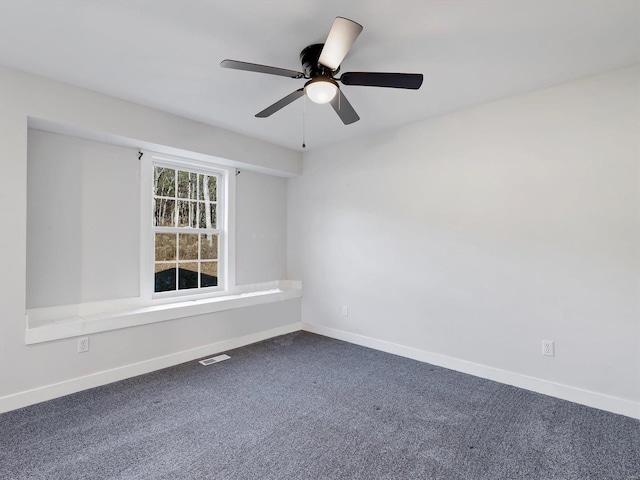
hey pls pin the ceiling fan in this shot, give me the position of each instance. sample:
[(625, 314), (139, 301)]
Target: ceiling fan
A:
[(320, 65)]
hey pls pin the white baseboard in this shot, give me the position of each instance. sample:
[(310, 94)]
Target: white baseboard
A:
[(584, 397), (48, 392)]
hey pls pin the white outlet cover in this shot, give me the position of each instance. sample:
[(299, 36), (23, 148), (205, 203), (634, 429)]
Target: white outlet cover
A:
[(548, 348), (83, 344)]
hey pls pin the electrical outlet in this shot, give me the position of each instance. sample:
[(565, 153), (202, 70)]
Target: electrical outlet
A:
[(83, 344), (548, 348), (345, 310)]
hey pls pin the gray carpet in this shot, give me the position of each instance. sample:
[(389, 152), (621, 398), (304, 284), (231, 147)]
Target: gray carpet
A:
[(304, 406)]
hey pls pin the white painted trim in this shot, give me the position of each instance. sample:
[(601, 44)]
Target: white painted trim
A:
[(146, 228), (584, 397), (573, 394), (48, 392), (56, 323), (288, 167), (229, 238), (226, 221)]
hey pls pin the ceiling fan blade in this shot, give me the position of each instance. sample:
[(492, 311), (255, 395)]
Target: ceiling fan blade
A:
[(344, 109), (341, 38), (393, 80), (254, 67), (283, 102)]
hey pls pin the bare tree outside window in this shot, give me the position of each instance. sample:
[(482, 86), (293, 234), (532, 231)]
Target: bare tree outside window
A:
[(186, 227)]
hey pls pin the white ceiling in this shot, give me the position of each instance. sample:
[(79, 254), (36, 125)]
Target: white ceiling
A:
[(166, 54)]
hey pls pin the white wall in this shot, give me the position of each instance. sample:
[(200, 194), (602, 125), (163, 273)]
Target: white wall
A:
[(261, 227), (83, 221), (473, 235), (26, 369), (477, 234)]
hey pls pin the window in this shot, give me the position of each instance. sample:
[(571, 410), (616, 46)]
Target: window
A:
[(189, 234)]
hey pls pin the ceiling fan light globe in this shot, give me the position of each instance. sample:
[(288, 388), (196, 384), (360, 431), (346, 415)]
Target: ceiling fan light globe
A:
[(321, 91)]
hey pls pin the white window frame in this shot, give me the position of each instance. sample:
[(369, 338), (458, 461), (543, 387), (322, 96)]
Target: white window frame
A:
[(226, 224), (65, 321)]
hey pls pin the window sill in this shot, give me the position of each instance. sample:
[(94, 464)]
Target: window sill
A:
[(55, 323)]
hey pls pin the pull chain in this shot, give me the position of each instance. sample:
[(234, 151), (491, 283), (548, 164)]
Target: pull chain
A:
[(304, 113)]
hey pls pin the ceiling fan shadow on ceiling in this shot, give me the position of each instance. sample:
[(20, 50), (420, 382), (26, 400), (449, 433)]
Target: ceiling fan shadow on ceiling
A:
[(321, 64)]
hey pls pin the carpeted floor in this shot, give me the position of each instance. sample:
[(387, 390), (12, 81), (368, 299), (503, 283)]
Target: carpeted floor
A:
[(308, 407)]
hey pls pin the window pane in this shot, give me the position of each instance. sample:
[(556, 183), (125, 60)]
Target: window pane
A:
[(187, 185), (208, 212), (213, 188), (187, 275), (188, 258), (164, 182), (207, 188), (164, 212), (187, 213), (208, 247), (188, 249), (165, 277), (209, 274), (165, 246)]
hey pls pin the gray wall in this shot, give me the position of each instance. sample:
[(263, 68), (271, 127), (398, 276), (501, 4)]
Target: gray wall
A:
[(478, 234), (261, 228), (83, 222), (26, 370)]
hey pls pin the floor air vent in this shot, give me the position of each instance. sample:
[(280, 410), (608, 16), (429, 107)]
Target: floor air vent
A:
[(209, 361)]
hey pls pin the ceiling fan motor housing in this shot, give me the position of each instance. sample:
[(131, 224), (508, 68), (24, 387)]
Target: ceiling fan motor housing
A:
[(310, 66)]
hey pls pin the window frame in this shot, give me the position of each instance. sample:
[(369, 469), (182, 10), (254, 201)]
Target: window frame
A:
[(225, 225)]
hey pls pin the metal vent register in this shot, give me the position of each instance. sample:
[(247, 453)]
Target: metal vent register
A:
[(216, 359)]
